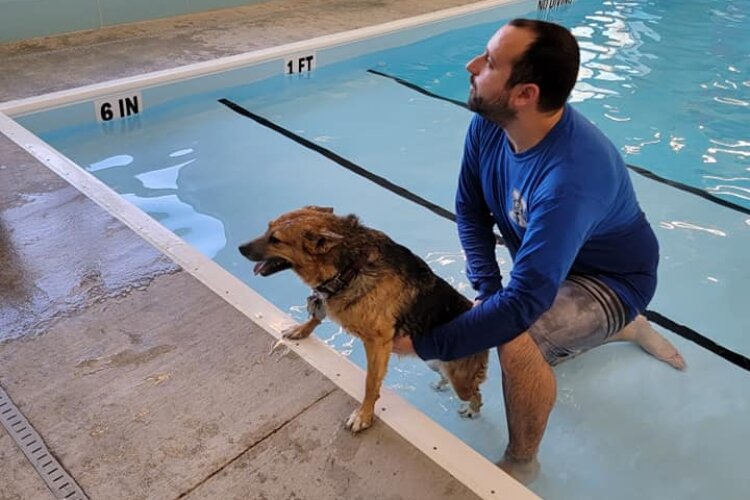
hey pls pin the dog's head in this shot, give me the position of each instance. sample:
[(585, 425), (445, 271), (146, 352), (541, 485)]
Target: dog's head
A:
[(307, 240)]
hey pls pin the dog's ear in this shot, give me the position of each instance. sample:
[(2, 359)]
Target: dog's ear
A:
[(327, 210), (321, 242)]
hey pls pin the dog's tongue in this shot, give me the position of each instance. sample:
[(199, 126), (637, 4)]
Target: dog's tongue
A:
[(259, 267)]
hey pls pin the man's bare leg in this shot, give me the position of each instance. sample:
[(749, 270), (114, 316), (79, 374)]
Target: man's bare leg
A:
[(639, 331), (529, 389)]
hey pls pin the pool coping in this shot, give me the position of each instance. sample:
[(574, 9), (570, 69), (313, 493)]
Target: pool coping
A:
[(449, 452)]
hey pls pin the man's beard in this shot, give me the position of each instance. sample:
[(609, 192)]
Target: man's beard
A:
[(499, 111)]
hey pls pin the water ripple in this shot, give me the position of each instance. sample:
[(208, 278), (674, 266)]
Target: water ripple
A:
[(691, 227)]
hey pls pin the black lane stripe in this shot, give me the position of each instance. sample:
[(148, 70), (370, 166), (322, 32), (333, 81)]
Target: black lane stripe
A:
[(689, 189), (419, 89), (352, 167), (690, 334), (639, 170), (681, 330)]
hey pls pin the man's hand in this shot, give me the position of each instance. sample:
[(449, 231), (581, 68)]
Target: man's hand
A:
[(402, 345)]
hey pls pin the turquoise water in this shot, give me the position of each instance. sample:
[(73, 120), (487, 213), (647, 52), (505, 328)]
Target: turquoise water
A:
[(624, 425)]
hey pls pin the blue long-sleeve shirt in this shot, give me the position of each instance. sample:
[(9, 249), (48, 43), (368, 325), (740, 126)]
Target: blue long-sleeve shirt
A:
[(565, 206)]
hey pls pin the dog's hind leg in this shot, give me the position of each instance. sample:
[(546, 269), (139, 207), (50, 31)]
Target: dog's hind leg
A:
[(301, 331), (472, 407), (436, 366), (378, 354), (471, 401), (466, 375)]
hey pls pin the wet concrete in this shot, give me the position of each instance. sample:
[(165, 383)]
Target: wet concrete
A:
[(53, 265), (140, 380)]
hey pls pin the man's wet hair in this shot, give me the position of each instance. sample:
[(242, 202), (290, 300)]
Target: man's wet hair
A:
[(551, 62)]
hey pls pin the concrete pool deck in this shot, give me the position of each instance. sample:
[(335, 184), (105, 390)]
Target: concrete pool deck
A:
[(142, 381)]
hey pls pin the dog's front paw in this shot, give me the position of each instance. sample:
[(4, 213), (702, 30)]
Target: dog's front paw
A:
[(359, 420), (298, 332)]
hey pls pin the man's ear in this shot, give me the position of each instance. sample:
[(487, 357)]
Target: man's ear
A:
[(527, 95), (327, 210), (321, 242)]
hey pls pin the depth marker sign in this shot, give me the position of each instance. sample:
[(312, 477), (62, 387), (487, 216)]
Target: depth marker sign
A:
[(117, 107)]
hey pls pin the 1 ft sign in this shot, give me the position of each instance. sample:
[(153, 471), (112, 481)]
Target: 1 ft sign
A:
[(121, 106), (302, 63)]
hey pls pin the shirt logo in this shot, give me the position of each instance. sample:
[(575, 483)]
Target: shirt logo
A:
[(518, 212)]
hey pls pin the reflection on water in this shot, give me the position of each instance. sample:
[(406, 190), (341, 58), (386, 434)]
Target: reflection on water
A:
[(151, 182), (730, 190), (165, 178), (693, 227), (111, 162), (674, 72), (180, 152), (202, 231)]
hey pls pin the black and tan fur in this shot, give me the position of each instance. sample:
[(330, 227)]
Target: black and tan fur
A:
[(392, 292)]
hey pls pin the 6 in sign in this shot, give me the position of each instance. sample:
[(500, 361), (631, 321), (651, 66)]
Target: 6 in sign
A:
[(116, 107)]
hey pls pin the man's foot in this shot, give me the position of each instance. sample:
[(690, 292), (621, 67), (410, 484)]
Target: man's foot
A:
[(640, 332), (525, 472)]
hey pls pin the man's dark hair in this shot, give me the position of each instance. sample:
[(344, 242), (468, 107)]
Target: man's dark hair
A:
[(550, 61)]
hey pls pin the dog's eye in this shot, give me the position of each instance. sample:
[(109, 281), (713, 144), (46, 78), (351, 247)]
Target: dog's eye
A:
[(273, 240)]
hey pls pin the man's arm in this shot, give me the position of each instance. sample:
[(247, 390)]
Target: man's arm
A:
[(557, 229), (475, 221)]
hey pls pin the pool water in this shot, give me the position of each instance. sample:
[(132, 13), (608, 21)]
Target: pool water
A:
[(624, 424)]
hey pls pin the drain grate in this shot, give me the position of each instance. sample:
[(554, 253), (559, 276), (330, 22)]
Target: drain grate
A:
[(20, 430)]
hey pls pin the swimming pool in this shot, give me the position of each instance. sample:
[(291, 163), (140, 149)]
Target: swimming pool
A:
[(624, 424)]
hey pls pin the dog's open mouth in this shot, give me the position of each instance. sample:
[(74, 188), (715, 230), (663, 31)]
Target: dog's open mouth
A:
[(271, 266)]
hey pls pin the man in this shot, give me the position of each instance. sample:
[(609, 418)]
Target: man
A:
[(584, 256)]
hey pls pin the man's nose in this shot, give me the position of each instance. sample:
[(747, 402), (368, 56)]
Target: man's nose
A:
[(473, 65)]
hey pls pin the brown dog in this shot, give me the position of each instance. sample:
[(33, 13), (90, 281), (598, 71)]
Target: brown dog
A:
[(373, 287)]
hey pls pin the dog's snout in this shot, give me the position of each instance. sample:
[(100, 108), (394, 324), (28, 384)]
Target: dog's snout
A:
[(249, 251)]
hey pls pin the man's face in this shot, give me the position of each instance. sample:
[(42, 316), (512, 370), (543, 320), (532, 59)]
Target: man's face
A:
[(490, 71)]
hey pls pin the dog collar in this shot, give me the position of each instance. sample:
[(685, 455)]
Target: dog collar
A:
[(336, 284), (316, 303)]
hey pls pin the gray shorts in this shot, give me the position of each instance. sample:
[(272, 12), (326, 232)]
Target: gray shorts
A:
[(585, 314)]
